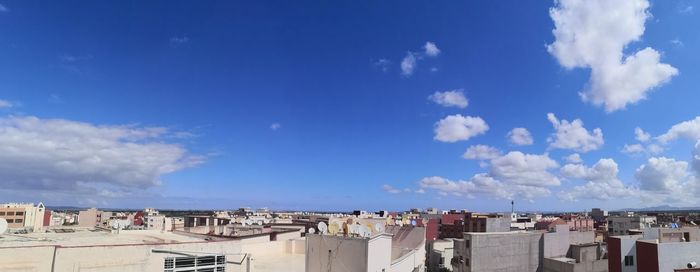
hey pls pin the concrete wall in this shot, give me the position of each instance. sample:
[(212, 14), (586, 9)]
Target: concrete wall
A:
[(379, 253), (555, 265), (497, 224), (677, 255), (556, 244), (128, 258), (504, 252), (408, 263), (336, 252), (26, 259)]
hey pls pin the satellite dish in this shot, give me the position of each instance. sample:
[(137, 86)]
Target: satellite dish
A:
[(399, 223), (3, 225), (352, 229), (322, 228), (425, 221), (115, 225), (413, 223), (364, 231), (249, 222), (334, 228), (379, 228), (312, 230), (389, 221), (259, 222)]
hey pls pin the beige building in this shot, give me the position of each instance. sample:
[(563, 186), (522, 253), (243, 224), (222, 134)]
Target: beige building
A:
[(149, 250), (89, 218), (24, 216)]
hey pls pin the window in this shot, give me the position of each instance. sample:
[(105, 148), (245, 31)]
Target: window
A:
[(466, 261), (10, 213), (2, 213), (19, 213), (18, 220), (468, 243), (629, 260), (10, 221), (195, 264)]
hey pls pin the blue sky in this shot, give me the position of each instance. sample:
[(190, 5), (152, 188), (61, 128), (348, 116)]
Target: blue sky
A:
[(305, 105)]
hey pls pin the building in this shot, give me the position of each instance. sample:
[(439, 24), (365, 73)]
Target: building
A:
[(598, 215), (149, 250), (655, 249), (568, 251), (455, 225), (549, 223), (580, 258), (89, 218), (621, 225), (440, 253), (497, 251), (398, 249), (23, 216), (526, 251)]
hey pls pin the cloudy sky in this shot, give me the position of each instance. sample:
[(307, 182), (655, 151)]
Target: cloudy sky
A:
[(563, 105)]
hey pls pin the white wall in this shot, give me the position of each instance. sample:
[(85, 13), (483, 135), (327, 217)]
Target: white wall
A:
[(346, 254), (677, 255), (379, 253)]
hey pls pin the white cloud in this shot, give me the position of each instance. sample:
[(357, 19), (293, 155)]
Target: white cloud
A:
[(455, 128), (525, 169), (63, 155), (5, 104), (275, 126), (616, 80), (3, 8), (689, 129), (453, 98), (481, 152), (574, 158), (640, 135), (633, 149), (514, 175), (408, 64), (687, 9), (677, 42), (431, 49), (520, 136), (179, 40), (382, 64), (572, 135), (390, 189), (601, 182), (482, 184), (662, 175)]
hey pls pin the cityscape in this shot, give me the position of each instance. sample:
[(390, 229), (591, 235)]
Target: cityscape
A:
[(349, 136)]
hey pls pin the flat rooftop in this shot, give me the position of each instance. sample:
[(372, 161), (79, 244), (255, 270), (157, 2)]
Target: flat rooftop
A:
[(95, 238)]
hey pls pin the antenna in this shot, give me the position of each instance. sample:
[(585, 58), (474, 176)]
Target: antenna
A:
[(322, 228), (3, 225)]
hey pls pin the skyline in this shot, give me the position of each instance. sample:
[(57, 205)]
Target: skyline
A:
[(357, 105)]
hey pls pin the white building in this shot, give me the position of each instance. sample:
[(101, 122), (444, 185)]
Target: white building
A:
[(620, 225), (399, 249)]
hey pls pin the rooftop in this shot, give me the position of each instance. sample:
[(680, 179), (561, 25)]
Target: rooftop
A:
[(95, 238)]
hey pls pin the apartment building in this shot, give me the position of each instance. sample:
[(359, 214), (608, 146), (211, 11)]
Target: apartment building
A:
[(24, 216)]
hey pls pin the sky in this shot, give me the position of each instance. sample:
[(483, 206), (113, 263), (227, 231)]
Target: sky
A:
[(338, 105)]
